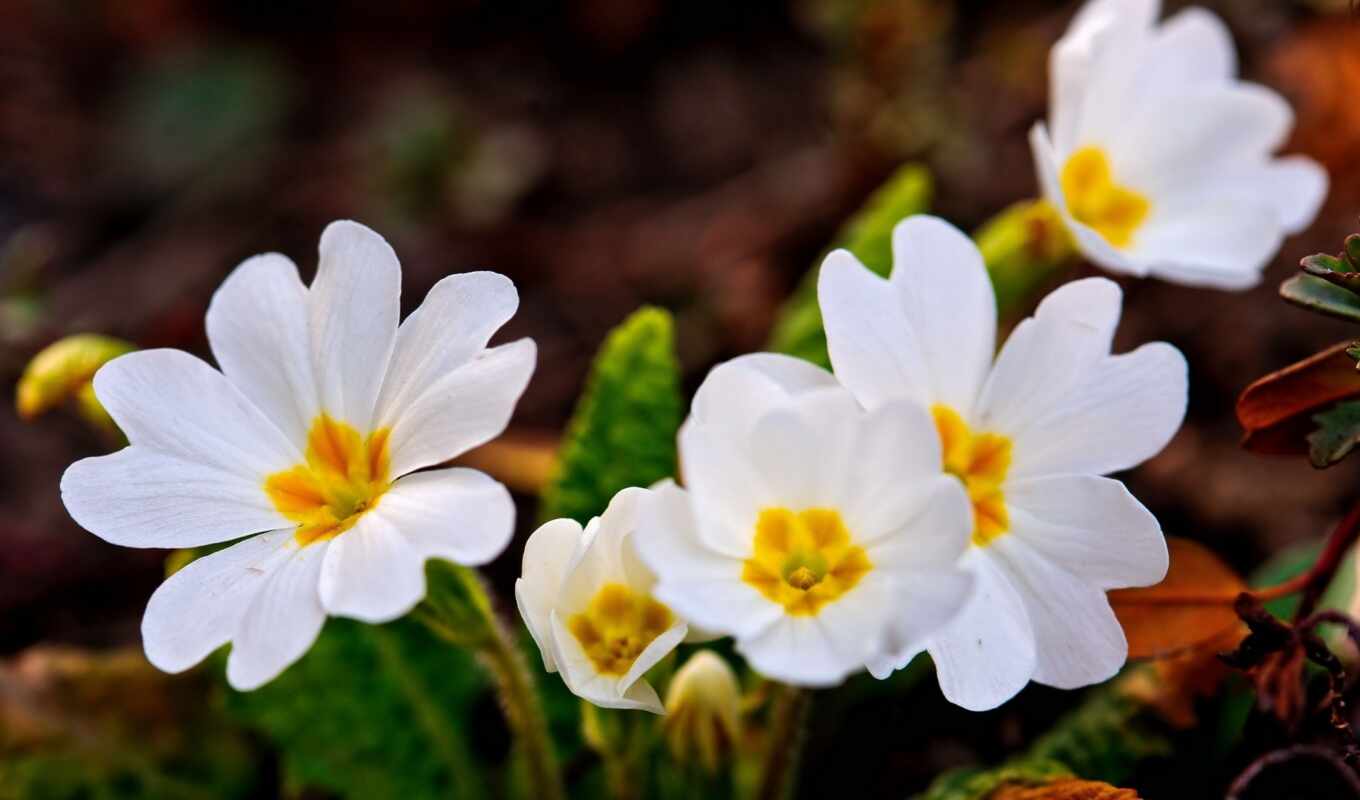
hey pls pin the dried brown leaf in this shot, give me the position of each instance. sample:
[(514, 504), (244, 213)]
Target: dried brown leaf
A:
[(1276, 411), (1191, 608), (1064, 789)]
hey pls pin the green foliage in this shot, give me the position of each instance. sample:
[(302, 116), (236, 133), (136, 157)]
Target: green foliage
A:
[(976, 784), (1337, 433), (798, 328), (372, 711), (1322, 296), (125, 776), (1104, 738), (623, 430)]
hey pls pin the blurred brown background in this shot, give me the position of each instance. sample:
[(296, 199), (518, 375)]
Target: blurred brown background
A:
[(602, 153)]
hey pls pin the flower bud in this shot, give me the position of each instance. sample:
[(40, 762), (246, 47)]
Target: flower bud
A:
[(62, 372), (701, 711)]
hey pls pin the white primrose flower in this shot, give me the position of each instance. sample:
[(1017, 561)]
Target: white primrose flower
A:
[(310, 437), (587, 600), (1029, 436), (1159, 159), (817, 534)]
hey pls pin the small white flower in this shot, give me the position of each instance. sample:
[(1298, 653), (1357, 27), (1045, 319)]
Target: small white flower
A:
[(1029, 436), (815, 533), (307, 437), (587, 600), (1160, 159)]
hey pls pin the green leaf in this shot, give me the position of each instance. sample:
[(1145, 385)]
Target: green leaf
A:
[(798, 327), (977, 784), (1316, 294), (1337, 434), (1334, 270), (372, 711), (622, 433), (1025, 248)]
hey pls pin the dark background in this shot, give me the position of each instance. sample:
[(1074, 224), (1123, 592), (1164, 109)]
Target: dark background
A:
[(603, 154)]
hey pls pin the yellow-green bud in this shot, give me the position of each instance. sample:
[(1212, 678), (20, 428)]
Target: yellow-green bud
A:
[(62, 372), (702, 708)]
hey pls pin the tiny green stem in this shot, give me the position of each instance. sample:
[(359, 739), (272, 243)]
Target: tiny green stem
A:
[(788, 731), (467, 617)]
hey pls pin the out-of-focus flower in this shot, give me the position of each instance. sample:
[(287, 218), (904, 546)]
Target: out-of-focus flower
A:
[(307, 437), (702, 711), (587, 600), (817, 534), (1029, 436), (63, 372), (1159, 158)]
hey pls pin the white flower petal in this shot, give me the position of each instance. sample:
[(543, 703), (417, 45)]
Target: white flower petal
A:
[(701, 585), (738, 392), (257, 326), (172, 403), (1041, 363), (1191, 45), (450, 328), (1093, 302), (547, 554), (1195, 132), (651, 655), (873, 346), (893, 471), (199, 608), (466, 408), (140, 498), (949, 299), (281, 622), (1130, 16), (371, 572), (987, 653), (1078, 639), (924, 603), (1293, 187), (724, 486), (1221, 243), (1122, 411), (603, 557), (934, 537), (1091, 526), (457, 514), (798, 651), (354, 310)]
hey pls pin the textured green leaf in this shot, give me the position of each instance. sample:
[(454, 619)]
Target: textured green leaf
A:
[(1337, 434), (798, 328), (623, 430), (1316, 294), (372, 711), (976, 784)]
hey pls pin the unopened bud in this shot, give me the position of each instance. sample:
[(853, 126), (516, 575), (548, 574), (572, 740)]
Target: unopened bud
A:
[(702, 711), (62, 373)]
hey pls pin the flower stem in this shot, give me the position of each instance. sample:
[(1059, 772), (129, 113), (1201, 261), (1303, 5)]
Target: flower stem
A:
[(465, 616), (788, 731)]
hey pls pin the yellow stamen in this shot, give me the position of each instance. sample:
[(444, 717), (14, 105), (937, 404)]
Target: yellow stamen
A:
[(804, 560), (617, 626), (1112, 210), (343, 476), (981, 461)]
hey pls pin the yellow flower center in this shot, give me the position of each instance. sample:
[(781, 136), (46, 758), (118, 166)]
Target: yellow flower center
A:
[(343, 476), (1113, 211), (617, 626), (981, 461), (804, 560)]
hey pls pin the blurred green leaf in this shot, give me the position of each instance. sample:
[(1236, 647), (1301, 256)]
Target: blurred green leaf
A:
[(977, 784), (1337, 434), (373, 711), (868, 234), (187, 117), (1316, 294), (623, 430), (1025, 248)]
